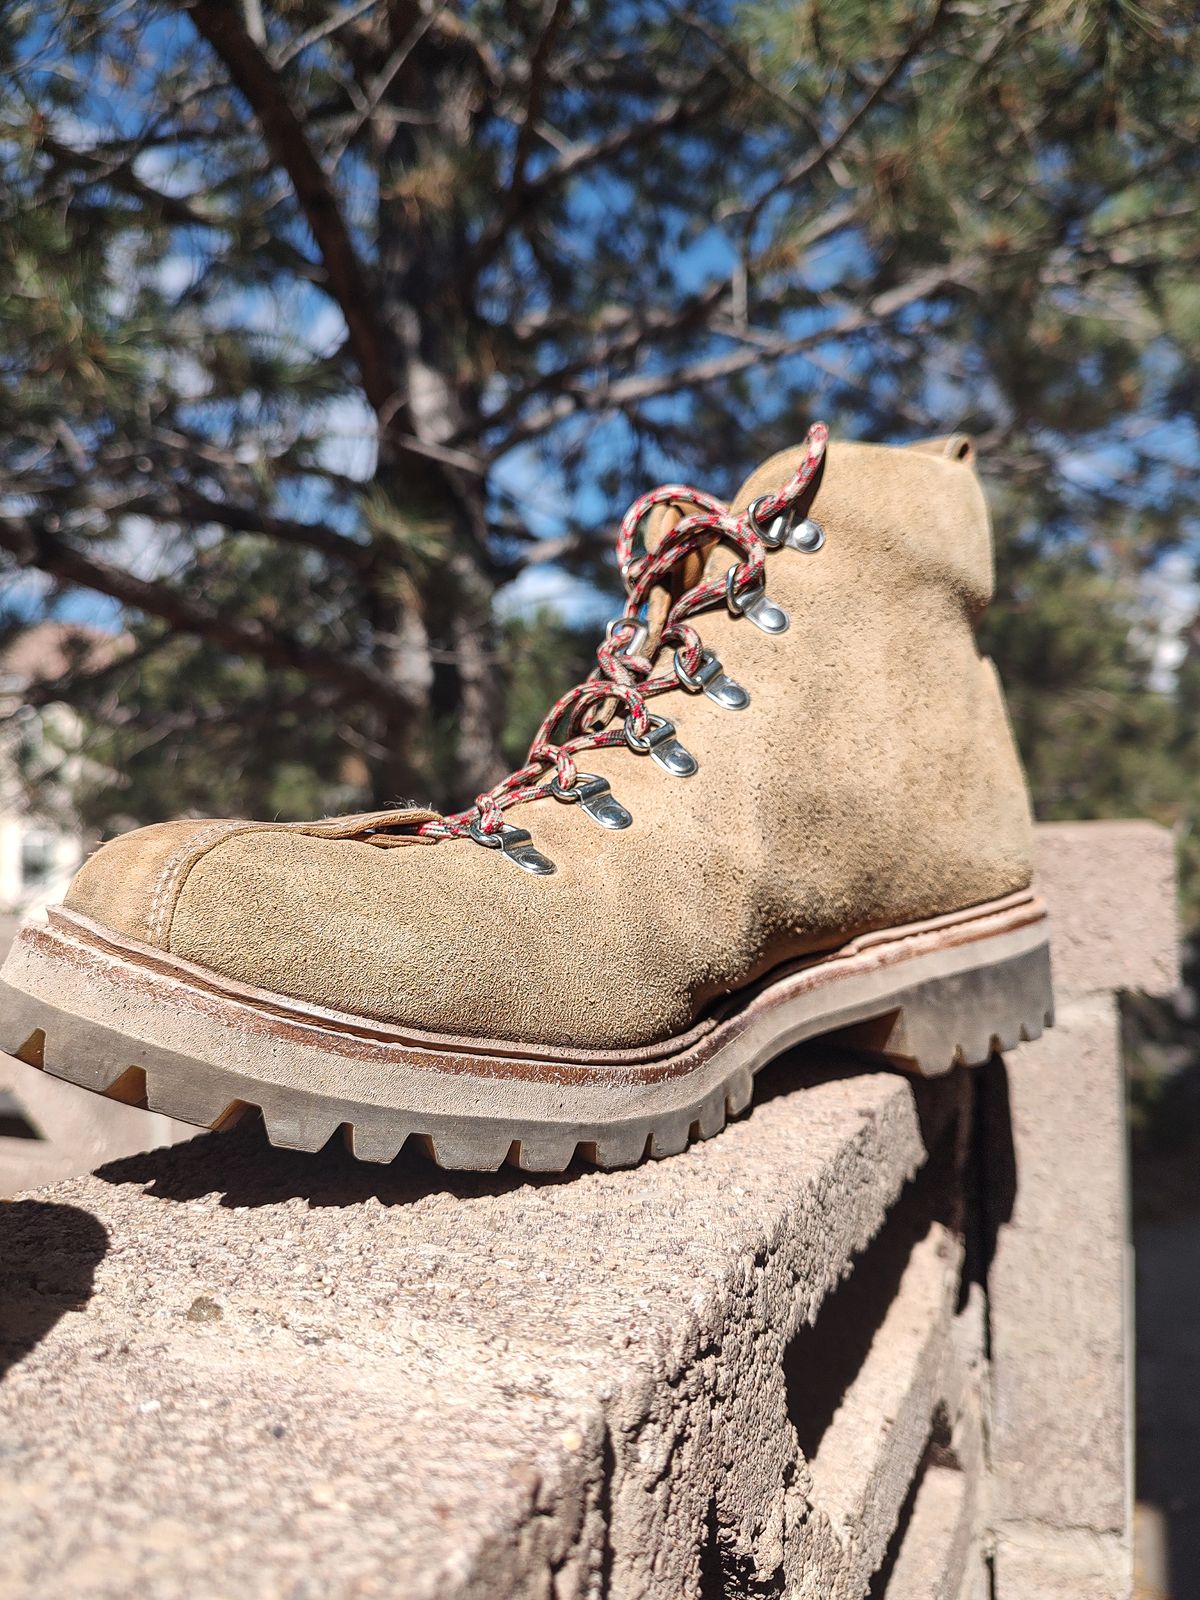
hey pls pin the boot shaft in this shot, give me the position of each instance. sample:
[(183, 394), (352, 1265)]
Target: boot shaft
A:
[(876, 747)]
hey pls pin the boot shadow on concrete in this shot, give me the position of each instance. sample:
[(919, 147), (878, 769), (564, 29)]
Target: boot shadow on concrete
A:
[(1165, 1174), (246, 1170), (992, 1195), (48, 1259)]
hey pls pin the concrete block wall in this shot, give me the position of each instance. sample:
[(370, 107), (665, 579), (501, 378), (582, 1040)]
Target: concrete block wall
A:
[(1060, 1285), (868, 1342)]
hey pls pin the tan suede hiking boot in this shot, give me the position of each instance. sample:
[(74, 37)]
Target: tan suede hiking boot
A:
[(786, 803)]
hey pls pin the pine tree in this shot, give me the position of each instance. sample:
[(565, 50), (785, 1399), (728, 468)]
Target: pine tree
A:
[(541, 256)]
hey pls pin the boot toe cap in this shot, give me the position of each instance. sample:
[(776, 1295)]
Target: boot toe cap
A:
[(129, 884)]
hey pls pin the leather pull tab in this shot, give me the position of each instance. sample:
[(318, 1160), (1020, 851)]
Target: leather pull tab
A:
[(954, 446), (368, 825)]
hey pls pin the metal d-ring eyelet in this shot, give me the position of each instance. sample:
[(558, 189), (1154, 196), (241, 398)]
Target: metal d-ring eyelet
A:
[(806, 536), (754, 604), (515, 845), (661, 745), (593, 795), (711, 679), (774, 532), (636, 639)]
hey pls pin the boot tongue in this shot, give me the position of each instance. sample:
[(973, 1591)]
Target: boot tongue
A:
[(712, 560), (686, 575)]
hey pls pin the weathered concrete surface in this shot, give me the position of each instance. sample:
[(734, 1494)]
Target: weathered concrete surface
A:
[(299, 1377), (1049, 1564), (938, 1550), (1059, 1284), (866, 1460), (932, 1563), (1111, 890)]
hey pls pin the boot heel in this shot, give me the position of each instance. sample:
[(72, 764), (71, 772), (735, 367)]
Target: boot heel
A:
[(965, 1018)]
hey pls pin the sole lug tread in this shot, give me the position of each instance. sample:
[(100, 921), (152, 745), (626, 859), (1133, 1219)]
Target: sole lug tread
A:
[(33, 1051), (467, 1150), (130, 1088), (235, 1111), (670, 1137), (542, 1152), (298, 1129), (99, 1076), (617, 1147), (739, 1092), (206, 1106), (377, 1144), (932, 1024), (974, 1050), (712, 1116)]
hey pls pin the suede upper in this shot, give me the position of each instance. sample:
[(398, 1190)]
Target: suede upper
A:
[(872, 781)]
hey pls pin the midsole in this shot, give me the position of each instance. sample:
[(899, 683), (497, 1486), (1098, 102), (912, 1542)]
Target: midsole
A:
[(169, 1008)]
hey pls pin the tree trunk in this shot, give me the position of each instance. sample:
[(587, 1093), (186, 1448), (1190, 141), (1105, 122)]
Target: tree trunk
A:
[(432, 598), (434, 629)]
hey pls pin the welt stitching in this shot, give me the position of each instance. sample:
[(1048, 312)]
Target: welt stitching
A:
[(161, 902), (197, 844)]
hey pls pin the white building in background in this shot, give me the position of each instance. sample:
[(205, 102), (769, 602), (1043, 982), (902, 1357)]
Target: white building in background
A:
[(37, 862), (40, 843)]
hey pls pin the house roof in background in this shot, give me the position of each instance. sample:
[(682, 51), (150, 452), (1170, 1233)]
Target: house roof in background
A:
[(48, 650)]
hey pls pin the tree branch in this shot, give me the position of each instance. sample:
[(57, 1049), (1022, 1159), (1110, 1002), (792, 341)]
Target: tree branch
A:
[(322, 30), (757, 346), (698, 101), (348, 278), (568, 550), (534, 101), (37, 546), (626, 328), (176, 210), (807, 165), (180, 504)]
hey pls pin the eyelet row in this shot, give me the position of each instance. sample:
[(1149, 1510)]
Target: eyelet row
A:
[(592, 793)]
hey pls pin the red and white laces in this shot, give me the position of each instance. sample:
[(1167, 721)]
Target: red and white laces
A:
[(624, 680)]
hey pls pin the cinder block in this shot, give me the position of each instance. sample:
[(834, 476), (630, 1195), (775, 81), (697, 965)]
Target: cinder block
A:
[(937, 1544), (1110, 887), (236, 1370), (1039, 1564), (937, 1552), (869, 1455), (1058, 1283)]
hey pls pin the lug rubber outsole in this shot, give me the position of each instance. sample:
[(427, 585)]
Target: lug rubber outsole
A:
[(136, 1025)]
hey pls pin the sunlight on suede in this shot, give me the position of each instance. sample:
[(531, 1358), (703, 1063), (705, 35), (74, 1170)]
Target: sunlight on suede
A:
[(872, 781)]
